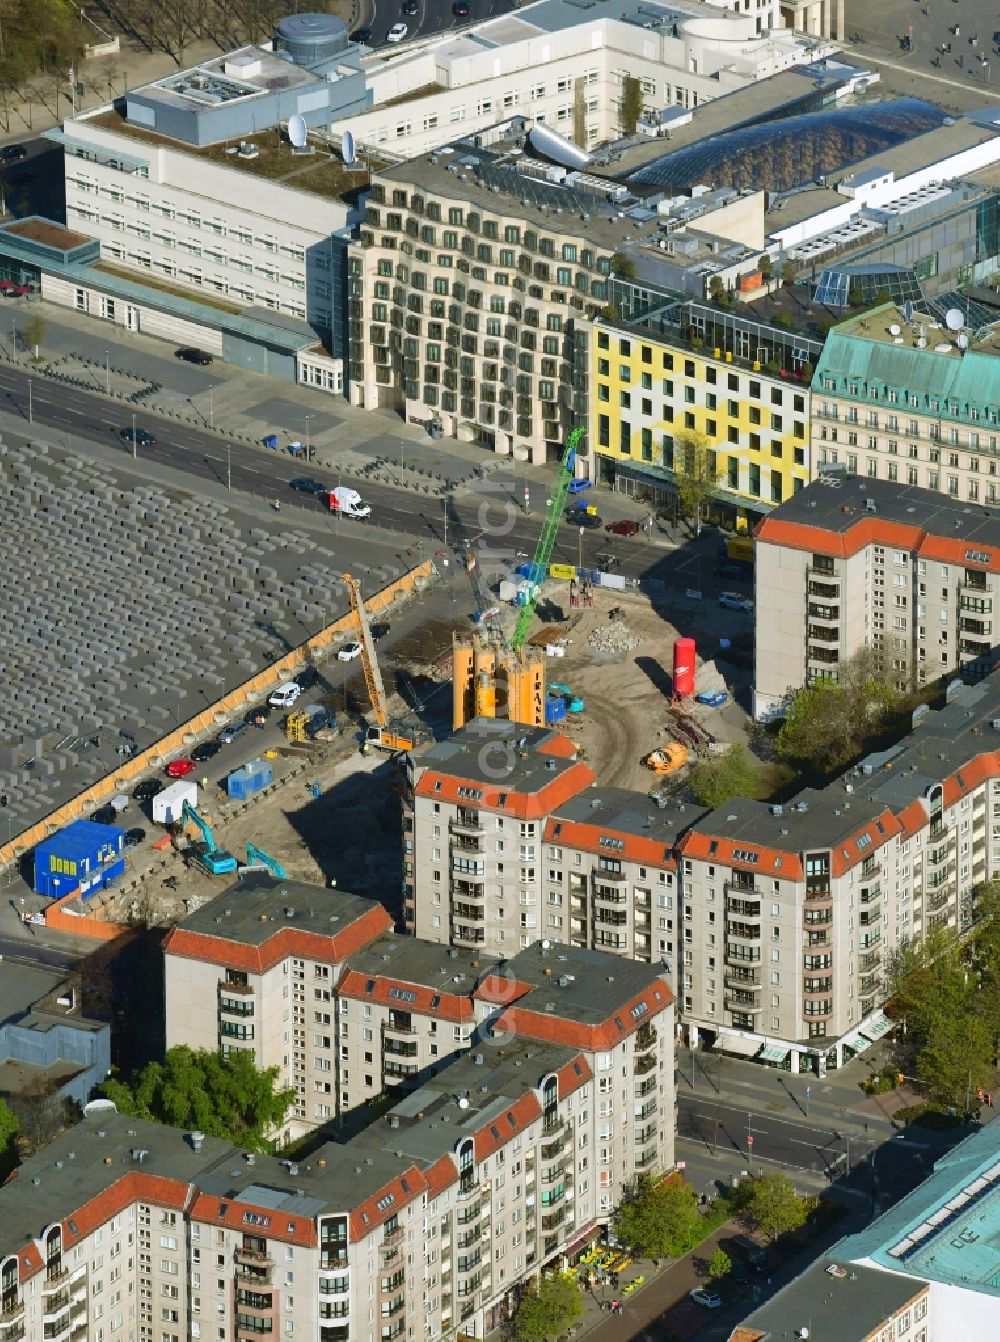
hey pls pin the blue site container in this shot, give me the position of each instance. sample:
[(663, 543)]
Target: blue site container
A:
[(84, 857), (555, 708), (249, 779)]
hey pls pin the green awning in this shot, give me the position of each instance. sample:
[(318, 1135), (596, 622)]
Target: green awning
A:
[(772, 1053), (879, 1025), (857, 1043)]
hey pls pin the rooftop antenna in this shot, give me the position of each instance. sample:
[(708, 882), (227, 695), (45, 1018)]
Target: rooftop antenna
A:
[(297, 131), (954, 319)]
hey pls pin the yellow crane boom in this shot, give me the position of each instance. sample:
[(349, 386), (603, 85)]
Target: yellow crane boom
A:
[(381, 735)]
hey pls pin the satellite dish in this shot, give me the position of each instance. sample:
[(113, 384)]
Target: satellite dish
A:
[(297, 130), (463, 1103), (953, 319), (963, 341), (894, 329), (347, 149)]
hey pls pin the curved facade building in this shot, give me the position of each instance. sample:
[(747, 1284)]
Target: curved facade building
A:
[(781, 155)]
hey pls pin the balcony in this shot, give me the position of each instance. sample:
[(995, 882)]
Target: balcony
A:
[(644, 1064), (870, 961), (741, 1002), (55, 1276), (645, 1158), (392, 1238), (463, 844), (744, 908), (827, 588), (466, 822), (605, 895), (52, 1304), (744, 931), (469, 936), (553, 1219), (11, 1311), (253, 1257), (468, 1213), (644, 1088), (645, 1038), (648, 1108), (235, 986), (741, 978), (468, 1190), (740, 955), (821, 634), (232, 1007), (742, 887), (936, 902), (825, 656), (398, 1025), (824, 614), (868, 983)]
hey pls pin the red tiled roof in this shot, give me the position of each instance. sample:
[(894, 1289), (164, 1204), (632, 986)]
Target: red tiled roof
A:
[(283, 1226), (574, 1034), (285, 941), (585, 836), (558, 745), (451, 1006), (744, 1334), (29, 1262), (135, 1186), (524, 805), (872, 529), (774, 861), (847, 853), (501, 989), (570, 1078), (368, 1217), (971, 775), (441, 1175), (524, 1111)]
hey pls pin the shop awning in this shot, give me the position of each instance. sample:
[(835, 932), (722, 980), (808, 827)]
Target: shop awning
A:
[(879, 1025), (772, 1053), (856, 1042)]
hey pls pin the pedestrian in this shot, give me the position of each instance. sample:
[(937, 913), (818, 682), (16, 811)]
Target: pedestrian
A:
[(3, 799)]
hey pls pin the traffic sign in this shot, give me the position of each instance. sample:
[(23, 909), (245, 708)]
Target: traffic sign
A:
[(749, 1141)]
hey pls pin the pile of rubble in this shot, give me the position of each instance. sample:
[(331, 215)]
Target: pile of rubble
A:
[(614, 637)]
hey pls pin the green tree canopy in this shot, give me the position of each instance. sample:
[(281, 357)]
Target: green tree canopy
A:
[(719, 1265), (696, 471), (547, 1309), (774, 1207), (38, 35), (828, 723), (766, 267), (660, 1220), (222, 1097), (9, 1128), (715, 781)]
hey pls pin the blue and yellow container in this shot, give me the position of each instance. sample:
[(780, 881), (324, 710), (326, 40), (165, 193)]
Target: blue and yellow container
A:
[(83, 858)]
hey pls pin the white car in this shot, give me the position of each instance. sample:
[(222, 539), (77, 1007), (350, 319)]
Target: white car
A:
[(733, 601), (348, 652), (397, 33), (707, 1299), (285, 695)]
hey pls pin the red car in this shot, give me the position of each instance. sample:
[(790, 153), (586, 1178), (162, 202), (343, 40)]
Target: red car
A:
[(626, 527), (178, 768)]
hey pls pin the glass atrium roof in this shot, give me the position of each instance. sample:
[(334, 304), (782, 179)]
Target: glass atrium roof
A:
[(791, 151)]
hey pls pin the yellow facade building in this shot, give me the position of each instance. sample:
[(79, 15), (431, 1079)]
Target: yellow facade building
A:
[(748, 394)]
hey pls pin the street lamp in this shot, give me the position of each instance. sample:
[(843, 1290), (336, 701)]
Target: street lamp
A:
[(579, 558), (107, 372), (308, 441), (135, 447), (30, 411), (808, 1098), (229, 467), (402, 445)]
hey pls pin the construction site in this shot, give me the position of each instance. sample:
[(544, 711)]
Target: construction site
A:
[(600, 663)]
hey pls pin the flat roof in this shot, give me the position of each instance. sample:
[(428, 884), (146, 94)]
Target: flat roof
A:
[(23, 986), (499, 753), (253, 909), (428, 964), (825, 819), (835, 1300), (615, 808), (922, 151), (577, 984)]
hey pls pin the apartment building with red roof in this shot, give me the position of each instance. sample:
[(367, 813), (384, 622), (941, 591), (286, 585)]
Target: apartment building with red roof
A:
[(853, 562)]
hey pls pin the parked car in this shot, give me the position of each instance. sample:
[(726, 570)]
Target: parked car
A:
[(306, 485), (285, 695), (141, 436), (579, 517), (348, 652), (362, 35), (230, 732), (397, 33), (626, 527), (10, 153), (205, 751), (259, 714), (307, 678), (180, 768), (147, 789), (461, 9), (379, 630), (729, 568), (754, 1255), (105, 815), (707, 1299), (733, 601), (577, 486), (712, 698), (133, 837), (411, 7), (191, 355)]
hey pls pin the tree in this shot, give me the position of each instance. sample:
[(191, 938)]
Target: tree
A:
[(766, 267), (660, 1220), (719, 1265), (631, 104), (773, 1206), (715, 781), (623, 266), (956, 1060), (579, 113), (695, 471), (718, 292), (547, 1309), (222, 1097), (789, 270), (9, 1128), (828, 722), (33, 331)]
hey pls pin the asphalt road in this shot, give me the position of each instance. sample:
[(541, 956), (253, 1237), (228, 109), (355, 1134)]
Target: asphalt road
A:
[(432, 16), (491, 519)]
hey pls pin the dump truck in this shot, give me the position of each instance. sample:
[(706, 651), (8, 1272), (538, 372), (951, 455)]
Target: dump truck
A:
[(667, 759), (348, 502), (740, 549)]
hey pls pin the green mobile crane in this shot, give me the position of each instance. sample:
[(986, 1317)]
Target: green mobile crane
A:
[(543, 551)]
